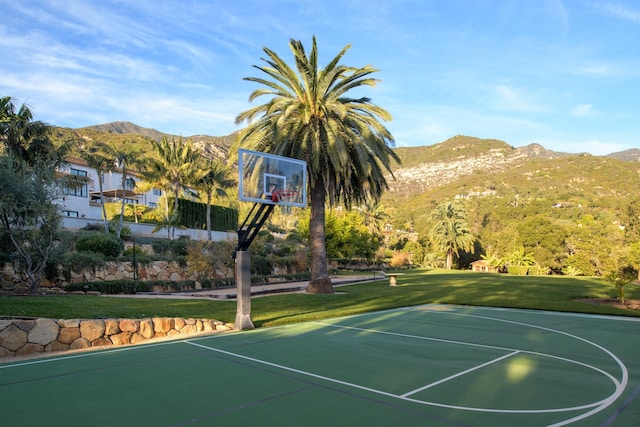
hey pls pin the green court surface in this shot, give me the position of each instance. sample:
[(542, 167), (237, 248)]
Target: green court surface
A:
[(431, 365)]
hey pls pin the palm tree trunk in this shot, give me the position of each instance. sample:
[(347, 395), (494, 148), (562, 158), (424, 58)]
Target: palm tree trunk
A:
[(449, 259), (209, 215), (320, 282), (124, 181), (166, 209), (174, 216), (104, 209)]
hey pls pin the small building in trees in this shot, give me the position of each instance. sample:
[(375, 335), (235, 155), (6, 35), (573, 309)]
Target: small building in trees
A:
[(482, 265)]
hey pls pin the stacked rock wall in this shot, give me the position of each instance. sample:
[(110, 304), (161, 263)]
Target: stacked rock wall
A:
[(27, 337), (12, 279)]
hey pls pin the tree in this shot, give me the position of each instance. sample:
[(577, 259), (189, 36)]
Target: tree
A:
[(101, 164), (347, 237), (632, 220), (546, 239), (633, 256), (23, 138), (373, 217), (29, 213), (451, 232), (125, 158), (310, 117), (172, 168), (29, 216), (216, 180), (519, 261)]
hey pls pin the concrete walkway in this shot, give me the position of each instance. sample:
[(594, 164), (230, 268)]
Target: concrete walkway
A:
[(256, 290)]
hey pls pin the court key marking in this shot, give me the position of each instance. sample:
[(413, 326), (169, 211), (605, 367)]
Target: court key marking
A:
[(595, 406)]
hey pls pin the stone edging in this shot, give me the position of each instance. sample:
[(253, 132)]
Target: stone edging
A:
[(31, 337)]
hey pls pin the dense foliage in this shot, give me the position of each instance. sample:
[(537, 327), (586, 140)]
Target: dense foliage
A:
[(105, 243), (194, 215)]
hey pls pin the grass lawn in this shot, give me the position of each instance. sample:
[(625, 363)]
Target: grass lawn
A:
[(422, 286)]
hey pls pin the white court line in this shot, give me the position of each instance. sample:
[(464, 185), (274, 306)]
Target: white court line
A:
[(287, 368), (459, 374), (492, 347), (594, 407), (597, 405)]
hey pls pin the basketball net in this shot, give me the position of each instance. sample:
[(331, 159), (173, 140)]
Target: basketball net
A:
[(280, 195)]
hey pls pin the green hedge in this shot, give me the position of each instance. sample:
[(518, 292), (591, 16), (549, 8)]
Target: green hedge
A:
[(261, 279), (218, 283), (194, 215), (130, 286)]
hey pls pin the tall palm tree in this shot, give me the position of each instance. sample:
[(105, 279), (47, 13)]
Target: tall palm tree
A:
[(125, 157), (173, 167), (310, 117), (101, 164), (216, 180), (373, 217), (451, 232)]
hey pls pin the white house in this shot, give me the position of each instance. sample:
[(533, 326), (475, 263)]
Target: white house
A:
[(81, 204), (83, 200)]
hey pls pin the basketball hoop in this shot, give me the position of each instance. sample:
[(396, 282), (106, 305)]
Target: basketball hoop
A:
[(278, 195)]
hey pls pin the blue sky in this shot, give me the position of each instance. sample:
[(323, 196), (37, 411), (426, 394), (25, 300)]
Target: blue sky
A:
[(564, 74)]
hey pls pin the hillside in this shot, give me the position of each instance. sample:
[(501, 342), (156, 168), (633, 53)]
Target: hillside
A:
[(632, 155), (215, 146), (465, 165), (568, 210), (460, 167), (126, 132)]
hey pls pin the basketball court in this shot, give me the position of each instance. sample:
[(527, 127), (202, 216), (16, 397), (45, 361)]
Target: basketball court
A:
[(432, 365), (435, 365)]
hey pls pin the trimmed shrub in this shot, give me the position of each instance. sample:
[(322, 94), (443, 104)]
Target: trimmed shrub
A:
[(518, 270), (127, 286), (104, 243), (175, 247)]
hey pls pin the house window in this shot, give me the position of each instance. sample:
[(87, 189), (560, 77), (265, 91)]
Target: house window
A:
[(152, 205), (80, 189), (72, 214), (156, 192), (131, 201)]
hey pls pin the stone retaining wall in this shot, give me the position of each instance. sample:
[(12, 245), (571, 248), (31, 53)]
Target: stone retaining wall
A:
[(28, 337), (12, 279)]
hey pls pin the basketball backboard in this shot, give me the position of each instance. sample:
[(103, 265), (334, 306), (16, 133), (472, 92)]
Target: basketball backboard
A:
[(271, 179)]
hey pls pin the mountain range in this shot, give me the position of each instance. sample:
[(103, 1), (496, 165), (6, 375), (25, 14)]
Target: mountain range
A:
[(573, 210), (465, 167), (123, 127)]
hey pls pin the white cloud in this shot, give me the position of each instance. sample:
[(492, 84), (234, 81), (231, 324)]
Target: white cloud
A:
[(514, 99), (582, 110), (623, 12)]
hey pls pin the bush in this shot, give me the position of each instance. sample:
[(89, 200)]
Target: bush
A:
[(112, 287), (79, 261), (205, 259), (218, 283), (518, 270), (294, 238), (130, 251), (103, 243), (399, 259), (128, 286), (261, 265), (175, 247)]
